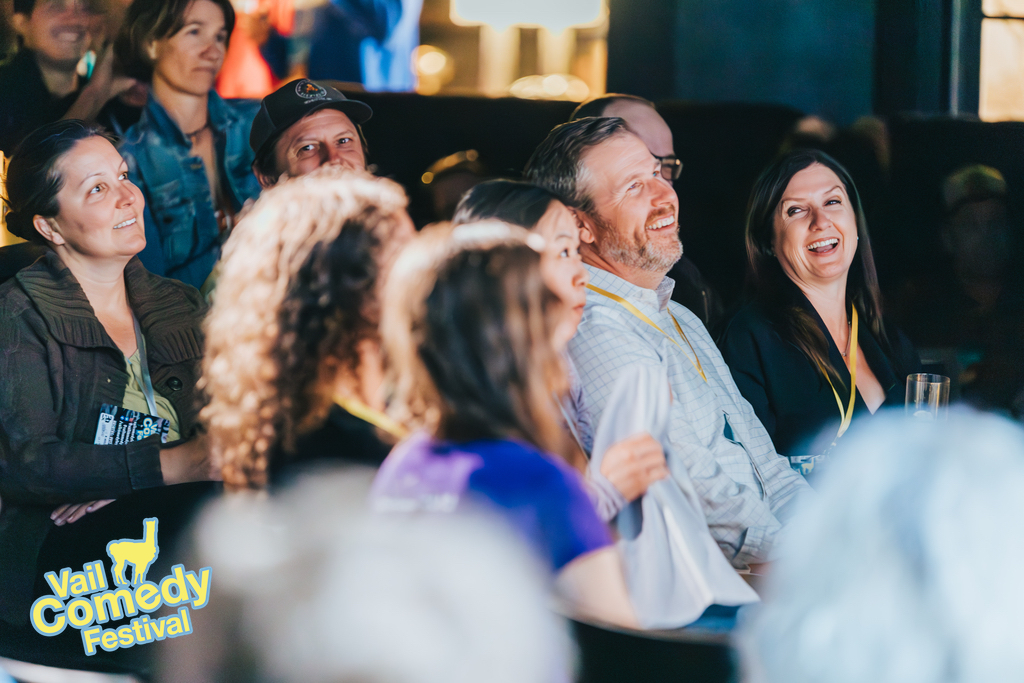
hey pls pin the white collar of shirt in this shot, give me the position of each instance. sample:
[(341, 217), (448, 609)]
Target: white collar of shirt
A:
[(657, 299)]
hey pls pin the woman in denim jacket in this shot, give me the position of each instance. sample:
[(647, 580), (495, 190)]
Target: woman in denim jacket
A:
[(189, 153)]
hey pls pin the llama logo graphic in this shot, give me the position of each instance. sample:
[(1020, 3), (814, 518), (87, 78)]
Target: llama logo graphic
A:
[(139, 554), (85, 601)]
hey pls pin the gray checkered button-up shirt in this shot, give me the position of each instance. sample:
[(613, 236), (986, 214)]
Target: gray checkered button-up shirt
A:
[(746, 488)]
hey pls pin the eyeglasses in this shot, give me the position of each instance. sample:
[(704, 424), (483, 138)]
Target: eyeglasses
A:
[(671, 167)]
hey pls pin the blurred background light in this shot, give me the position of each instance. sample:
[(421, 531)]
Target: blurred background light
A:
[(554, 15), (434, 68), (550, 87), (1001, 87), (431, 62)]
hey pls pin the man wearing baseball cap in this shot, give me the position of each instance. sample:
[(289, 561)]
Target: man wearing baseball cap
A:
[(300, 127), (304, 125)]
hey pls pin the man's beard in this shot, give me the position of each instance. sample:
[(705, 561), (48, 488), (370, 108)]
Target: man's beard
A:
[(634, 253)]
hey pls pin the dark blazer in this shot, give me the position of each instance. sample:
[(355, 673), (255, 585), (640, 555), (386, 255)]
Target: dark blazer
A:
[(791, 397), (58, 365)]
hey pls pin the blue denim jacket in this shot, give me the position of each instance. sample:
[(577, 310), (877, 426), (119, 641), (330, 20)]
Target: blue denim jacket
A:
[(182, 237)]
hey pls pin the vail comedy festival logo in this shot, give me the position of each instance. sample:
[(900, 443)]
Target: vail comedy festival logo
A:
[(85, 601)]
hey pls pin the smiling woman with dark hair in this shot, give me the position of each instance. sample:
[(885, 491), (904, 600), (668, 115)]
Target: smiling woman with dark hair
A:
[(84, 332), (814, 338)]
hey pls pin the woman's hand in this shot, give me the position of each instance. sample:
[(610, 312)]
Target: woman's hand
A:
[(189, 462), (70, 513), (633, 464)]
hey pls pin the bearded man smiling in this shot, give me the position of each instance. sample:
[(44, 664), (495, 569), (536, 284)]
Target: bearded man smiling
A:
[(627, 216)]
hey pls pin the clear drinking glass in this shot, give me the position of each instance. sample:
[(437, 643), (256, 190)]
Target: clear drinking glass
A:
[(927, 396)]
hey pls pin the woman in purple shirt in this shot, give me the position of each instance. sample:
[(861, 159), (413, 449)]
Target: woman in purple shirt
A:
[(468, 325)]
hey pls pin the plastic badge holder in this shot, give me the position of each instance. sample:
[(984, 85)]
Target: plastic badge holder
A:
[(804, 464), (118, 426)]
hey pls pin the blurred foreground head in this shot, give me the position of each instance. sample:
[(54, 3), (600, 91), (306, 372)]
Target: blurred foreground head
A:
[(906, 569), (312, 589)]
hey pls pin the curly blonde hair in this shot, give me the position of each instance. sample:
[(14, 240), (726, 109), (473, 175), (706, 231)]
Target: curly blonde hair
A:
[(467, 329), (298, 292)]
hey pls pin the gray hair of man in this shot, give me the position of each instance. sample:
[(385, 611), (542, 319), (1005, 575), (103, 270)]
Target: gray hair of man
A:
[(311, 587), (906, 567), (557, 163)]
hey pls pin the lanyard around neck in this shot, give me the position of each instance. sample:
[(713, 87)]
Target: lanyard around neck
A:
[(847, 415), (695, 361), (147, 383), (357, 408)]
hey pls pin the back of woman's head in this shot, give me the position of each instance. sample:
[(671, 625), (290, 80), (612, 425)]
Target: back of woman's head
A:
[(297, 295), (150, 20), (467, 324), (33, 177), (508, 201)]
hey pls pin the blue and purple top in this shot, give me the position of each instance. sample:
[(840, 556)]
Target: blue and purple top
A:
[(543, 498)]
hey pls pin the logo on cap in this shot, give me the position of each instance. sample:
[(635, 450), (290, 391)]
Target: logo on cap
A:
[(308, 90)]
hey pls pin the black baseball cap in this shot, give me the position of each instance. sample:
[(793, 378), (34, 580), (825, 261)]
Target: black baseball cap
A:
[(289, 103)]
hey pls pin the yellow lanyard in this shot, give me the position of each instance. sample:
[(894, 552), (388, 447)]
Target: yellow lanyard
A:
[(847, 414), (695, 362), (357, 408)]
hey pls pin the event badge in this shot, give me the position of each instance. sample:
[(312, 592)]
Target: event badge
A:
[(804, 464), (118, 426)]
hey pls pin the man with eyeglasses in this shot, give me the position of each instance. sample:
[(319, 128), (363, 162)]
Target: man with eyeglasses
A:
[(646, 123)]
